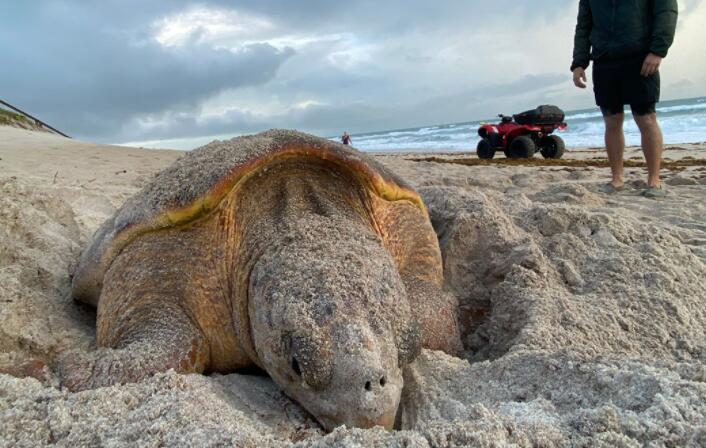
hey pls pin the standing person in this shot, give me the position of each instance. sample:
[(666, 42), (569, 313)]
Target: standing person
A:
[(627, 41), (345, 138)]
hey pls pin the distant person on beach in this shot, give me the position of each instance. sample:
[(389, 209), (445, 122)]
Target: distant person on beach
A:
[(627, 42), (345, 138)]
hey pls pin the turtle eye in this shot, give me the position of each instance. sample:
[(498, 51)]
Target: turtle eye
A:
[(295, 367), (311, 361)]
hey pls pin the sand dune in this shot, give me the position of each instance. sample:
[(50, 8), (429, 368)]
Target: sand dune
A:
[(585, 313)]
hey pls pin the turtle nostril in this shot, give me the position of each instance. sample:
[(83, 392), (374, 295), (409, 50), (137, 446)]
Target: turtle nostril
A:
[(382, 381), (368, 386)]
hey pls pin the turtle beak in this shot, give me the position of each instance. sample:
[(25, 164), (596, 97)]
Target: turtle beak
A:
[(386, 420)]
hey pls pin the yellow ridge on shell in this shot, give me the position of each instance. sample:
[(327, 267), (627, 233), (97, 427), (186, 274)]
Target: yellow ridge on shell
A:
[(388, 191)]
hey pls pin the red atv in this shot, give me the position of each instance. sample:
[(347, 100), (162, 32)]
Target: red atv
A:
[(521, 135)]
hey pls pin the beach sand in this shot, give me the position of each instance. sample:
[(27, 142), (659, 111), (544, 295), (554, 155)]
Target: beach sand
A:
[(592, 330)]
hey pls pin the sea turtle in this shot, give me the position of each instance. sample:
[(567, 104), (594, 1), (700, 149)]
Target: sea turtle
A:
[(280, 250)]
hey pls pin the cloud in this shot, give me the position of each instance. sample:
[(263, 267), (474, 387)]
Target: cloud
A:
[(83, 75), (144, 70), (209, 26), (322, 118)]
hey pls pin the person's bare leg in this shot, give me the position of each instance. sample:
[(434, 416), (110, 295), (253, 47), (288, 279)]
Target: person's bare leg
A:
[(615, 146), (651, 146)]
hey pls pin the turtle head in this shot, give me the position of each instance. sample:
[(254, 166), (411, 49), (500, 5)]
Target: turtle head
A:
[(333, 328)]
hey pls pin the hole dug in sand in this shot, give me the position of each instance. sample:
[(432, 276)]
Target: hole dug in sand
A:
[(533, 275), (589, 326)]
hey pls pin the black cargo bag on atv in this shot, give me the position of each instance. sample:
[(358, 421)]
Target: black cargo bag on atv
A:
[(541, 115)]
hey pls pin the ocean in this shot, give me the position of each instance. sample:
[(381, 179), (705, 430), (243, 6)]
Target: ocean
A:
[(682, 121)]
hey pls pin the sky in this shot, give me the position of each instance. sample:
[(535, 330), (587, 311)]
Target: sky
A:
[(178, 74)]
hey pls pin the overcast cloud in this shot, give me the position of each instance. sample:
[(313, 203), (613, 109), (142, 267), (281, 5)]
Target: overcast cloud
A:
[(118, 71)]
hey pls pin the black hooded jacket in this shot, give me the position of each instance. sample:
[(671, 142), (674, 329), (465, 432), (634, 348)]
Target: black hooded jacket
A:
[(617, 29)]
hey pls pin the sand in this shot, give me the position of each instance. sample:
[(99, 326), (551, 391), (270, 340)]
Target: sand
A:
[(585, 313)]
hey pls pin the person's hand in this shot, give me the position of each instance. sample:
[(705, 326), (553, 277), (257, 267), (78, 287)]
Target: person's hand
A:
[(580, 77), (651, 65)]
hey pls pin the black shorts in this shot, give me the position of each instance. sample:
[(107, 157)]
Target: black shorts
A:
[(617, 83)]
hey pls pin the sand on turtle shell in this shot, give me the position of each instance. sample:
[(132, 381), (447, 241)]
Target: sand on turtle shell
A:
[(592, 330)]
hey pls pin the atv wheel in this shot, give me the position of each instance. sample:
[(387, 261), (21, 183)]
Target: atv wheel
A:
[(552, 147), (522, 147), (485, 149)]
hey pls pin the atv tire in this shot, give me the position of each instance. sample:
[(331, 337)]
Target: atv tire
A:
[(552, 147), (485, 149), (521, 147)]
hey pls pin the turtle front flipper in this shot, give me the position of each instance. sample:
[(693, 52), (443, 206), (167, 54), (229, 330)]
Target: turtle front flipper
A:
[(155, 338), (411, 240), (160, 308)]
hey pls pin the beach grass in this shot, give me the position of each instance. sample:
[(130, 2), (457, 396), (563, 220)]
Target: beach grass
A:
[(10, 118)]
